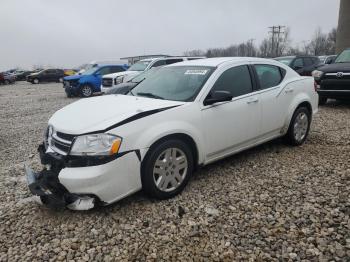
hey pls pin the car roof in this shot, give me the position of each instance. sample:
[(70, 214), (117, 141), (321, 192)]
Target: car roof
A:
[(169, 57), (214, 62), (104, 65)]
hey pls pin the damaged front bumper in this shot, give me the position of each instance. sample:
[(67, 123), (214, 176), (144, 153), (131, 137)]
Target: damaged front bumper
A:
[(82, 183), (46, 185)]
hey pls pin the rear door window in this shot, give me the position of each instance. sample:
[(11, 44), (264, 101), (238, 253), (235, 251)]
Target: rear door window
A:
[(269, 75), (236, 80)]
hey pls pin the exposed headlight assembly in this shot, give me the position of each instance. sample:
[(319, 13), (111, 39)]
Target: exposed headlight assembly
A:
[(317, 74), (96, 145)]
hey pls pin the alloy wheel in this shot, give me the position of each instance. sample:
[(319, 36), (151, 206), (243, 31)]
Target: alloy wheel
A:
[(170, 169), (301, 125)]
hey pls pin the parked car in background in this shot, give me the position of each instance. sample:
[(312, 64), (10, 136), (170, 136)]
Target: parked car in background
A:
[(181, 117), (47, 75), (10, 78), (95, 64), (2, 79), (112, 80), (303, 65), (89, 82), (327, 59), (22, 75), (69, 72), (333, 80), (124, 88)]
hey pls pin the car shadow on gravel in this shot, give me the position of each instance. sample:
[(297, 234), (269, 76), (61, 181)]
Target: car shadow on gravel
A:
[(274, 147)]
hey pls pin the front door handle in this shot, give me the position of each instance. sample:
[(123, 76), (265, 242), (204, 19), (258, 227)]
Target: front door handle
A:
[(252, 100)]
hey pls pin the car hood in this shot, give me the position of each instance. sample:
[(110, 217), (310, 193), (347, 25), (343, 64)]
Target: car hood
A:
[(335, 68), (124, 73), (73, 77), (100, 113)]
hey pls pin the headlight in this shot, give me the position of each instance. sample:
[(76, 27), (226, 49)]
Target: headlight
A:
[(96, 145), (119, 79), (317, 74)]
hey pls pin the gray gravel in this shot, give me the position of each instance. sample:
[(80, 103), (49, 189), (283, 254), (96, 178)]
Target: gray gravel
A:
[(271, 203)]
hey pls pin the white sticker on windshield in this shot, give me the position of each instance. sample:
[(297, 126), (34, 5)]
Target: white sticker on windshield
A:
[(196, 72)]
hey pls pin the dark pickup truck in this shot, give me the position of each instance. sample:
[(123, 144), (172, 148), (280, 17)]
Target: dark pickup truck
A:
[(333, 81)]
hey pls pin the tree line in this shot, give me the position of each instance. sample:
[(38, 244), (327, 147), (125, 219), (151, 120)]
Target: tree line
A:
[(320, 44)]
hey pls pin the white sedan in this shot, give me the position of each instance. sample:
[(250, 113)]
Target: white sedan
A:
[(102, 149)]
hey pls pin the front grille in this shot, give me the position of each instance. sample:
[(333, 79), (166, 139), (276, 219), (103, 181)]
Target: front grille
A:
[(107, 82), (61, 142), (335, 84), (71, 83), (65, 136)]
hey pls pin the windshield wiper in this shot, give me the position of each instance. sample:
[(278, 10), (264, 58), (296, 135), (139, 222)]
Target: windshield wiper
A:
[(149, 95)]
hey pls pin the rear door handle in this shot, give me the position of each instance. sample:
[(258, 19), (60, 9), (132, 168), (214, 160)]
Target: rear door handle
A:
[(289, 90), (252, 100)]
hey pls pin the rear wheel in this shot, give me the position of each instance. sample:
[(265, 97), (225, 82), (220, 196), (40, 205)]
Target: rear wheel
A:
[(299, 126), (166, 169), (86, 91), (322, 100)]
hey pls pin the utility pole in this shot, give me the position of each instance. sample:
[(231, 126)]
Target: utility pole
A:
[(276, 30)]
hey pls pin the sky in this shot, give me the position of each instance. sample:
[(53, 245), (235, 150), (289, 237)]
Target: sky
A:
[(68, 33)]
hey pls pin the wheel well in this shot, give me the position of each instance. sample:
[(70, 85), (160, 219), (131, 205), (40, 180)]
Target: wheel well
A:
[(185, 138), (307, 105)]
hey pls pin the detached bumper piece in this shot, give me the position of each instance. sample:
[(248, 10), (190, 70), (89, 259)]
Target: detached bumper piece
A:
[(46, 185)]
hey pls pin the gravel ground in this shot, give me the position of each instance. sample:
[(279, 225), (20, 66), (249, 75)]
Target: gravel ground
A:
[(271, 203)]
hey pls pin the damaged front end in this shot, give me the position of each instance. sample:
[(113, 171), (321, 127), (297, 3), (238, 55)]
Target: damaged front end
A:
[(47, 186)]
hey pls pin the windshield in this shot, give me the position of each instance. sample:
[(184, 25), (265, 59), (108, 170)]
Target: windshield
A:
[(344, 57), (176, 83), (142, 76), (90, 71), (285, 60), (139, 66)]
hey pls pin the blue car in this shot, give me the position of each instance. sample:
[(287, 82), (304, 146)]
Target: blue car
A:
[(89, 82)]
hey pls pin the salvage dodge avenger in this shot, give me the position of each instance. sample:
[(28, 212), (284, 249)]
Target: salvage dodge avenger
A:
[(186, 115)]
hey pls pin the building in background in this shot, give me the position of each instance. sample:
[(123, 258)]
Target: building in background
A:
[(343, 34)]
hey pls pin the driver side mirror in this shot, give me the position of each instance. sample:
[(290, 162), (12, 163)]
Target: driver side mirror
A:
[(218, 96)]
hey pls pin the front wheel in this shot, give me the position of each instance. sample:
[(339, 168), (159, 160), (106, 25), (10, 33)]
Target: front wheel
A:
[(299, 126), (36, 81), (86, 91), (166, 169)]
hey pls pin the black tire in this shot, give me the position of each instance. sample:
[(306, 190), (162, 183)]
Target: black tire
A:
[(149, 163), (322, 100), (60, 80), (36, 81), (84, 91), (7, 82), (291, 136)]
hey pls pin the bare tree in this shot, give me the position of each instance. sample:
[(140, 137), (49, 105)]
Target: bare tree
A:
[(196, 52)]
